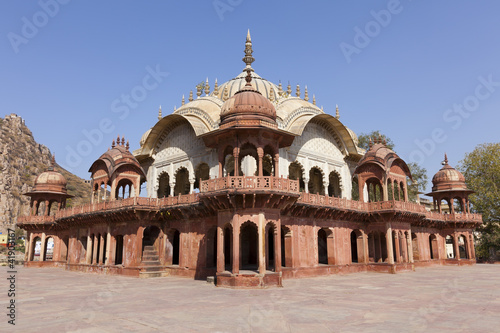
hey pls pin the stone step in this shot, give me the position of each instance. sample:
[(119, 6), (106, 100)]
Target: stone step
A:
[(152, 269), (149, 248), (147, 275), (150, 257), (151, 263), (149, 252)]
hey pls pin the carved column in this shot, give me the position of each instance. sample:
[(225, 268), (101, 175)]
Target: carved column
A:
[(398, 250), (236, 245), (261, 252), (220, 250), (260, 155), (388, 238), (277, 247), (236, 152), (455, 244), (42, 247), (276, 165)]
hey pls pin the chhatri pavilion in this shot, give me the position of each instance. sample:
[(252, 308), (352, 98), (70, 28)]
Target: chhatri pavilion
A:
[(249, 184)]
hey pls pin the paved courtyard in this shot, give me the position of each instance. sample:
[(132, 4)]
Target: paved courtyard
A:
[(438, 299)]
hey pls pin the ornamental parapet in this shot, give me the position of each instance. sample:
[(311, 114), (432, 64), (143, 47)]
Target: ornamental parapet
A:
[(250, 183), (35, 219), (323, 201)]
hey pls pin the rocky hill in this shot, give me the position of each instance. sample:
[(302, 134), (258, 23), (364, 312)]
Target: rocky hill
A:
[(21, 160)]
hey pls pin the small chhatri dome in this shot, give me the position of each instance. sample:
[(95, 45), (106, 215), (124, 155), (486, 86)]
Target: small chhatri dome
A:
[(448, 178), (117, 157), (50, 181)]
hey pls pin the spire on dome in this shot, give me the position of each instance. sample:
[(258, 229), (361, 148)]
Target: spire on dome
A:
[(445, 162), (52, 163), (216, 88), (289, 89), (225, 96), (297, 91), (248, 59), (191, 96), (159, 113), (306, 95), (280, 89), (337, 114), (183, 100), (314, 99)]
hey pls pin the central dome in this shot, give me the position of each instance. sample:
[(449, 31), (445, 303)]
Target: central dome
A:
[(248, 108)]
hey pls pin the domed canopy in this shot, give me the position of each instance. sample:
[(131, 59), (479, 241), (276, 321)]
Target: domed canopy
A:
[(50, 181), (248, 108), (448, 179), (379, 154), (117, 157)]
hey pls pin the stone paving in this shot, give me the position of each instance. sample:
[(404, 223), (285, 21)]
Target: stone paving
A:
[(437, 299)]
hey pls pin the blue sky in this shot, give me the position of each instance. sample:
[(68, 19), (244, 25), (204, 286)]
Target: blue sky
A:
[(427, 74)]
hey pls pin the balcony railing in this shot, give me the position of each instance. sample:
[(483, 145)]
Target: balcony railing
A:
[(251, 182), (35, 219)]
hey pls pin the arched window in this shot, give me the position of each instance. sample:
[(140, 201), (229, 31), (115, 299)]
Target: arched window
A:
[(181, 182), (316, 181), (295, 172), (163, 185), (334, 185)]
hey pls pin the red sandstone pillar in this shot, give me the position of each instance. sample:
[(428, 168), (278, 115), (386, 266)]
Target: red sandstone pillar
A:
[(260, 155), (388, 242), (277, 248), (220, 250), (398, 250), (236, 162), (262, 235), (330, 246), (455, 245), (473, 250), (236, 245), (95, 250), (42, 247), (410, 247), (28, 255)]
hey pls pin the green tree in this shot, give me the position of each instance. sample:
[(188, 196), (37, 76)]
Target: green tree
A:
[(364, 140), (481, 169), (418, 173)]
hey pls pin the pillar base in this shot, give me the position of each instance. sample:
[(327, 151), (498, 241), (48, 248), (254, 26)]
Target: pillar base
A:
[(250, 280)]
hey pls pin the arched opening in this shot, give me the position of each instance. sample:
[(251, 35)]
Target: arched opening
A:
[(414, 245), (181, 182), (92, 244), (228, 161), (41, 208), (450, 247), (202, 172), (355, 188), (433, 247), (295, 172), (354, 246), (163, 185), (316, 181), (383, 247), (37, 247), (248, 160), (462, 247), (176, 247), (49, 249), (267, 165), (53, 208), (228, 247), (119, 250), (445, 205), (286, 247), (270, 248), (249, 246), (124, 189), (83, 249), (63, 251), (150, 238), (334, 185), (372, 248), (211, 250), (322, 247), (248, 166)]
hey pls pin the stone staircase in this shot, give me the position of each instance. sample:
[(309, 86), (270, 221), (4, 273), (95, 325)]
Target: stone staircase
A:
[(151, 266)]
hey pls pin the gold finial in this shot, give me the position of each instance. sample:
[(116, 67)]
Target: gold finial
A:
[(314, 99), (297, 91), (289, 89), (306, 95), (216, 88), (198, 90), (445, 162), (191, 96), (337, 114), (183, 101), (207, 88), (248, 59), (226, 94), (271, 94), (159, 113)]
